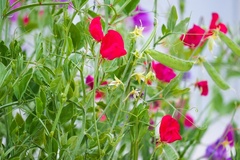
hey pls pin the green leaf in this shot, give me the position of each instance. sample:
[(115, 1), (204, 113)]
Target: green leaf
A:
[(172, 19), (181, 26), (19, 120), (4, 73), (67, 113), (75, 34), (173, 83), (72, 142), (233, 46), (170, 153), (132, 4), (39, 106), (21, 85)]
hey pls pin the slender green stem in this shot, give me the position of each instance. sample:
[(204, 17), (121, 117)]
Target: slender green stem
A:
[(96, 71), (155, 21), (106, 2), (81, 134), (34, 5), (123, 6), (59, 110)]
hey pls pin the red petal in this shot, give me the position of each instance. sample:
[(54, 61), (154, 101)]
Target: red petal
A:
[(222, 28), (163, 73), (193, 37), (169, 129), (95, 29), (213, 24), (203, 86), (112, 45)]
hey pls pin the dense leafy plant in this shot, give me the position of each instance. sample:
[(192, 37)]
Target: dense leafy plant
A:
[(89, 86)]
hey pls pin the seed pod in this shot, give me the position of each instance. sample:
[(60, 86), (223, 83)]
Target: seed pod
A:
[(215, 76), (233, 46), (170, 61)]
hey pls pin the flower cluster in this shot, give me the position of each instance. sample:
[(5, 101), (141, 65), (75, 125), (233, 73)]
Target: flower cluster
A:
[(112, 45), (196, 36)]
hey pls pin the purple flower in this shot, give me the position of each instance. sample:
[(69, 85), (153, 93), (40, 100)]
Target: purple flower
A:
[(217, 150), (14, 16), (186, 76), (142, 18)]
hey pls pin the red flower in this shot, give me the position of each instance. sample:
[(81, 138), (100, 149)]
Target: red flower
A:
[(95, 29), (112, 45), (214, 24), (203, 86), (194, 37), (163, 73), (188, 121), (169, 130)]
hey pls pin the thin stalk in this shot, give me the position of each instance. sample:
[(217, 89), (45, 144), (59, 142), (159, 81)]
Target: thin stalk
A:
[(34, 5), (106, 2), (59, 110), (93, 101), (155, 21), (81, 134)]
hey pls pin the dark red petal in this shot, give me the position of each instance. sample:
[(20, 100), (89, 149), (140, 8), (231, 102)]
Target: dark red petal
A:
[(95, 29), (112, 45)]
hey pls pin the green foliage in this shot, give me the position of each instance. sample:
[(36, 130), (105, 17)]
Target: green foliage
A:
[(49, 110)]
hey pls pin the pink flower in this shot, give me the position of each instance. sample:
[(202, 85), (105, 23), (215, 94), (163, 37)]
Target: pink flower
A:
[(25, 20), (95, 29), (194, 37), (103, 118), (90, 81), (169, 130), (112, 45), (154, 106), (188, 121), (163, 73), (203, 86)]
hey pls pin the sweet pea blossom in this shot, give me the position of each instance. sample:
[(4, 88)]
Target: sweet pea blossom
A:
[(196, 36), (188, 121), (217, 150), (193, 37), (90, 82), (163, 73), (216, 25), (169, 130), (95, 29), (112, 44), (203, 86)]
